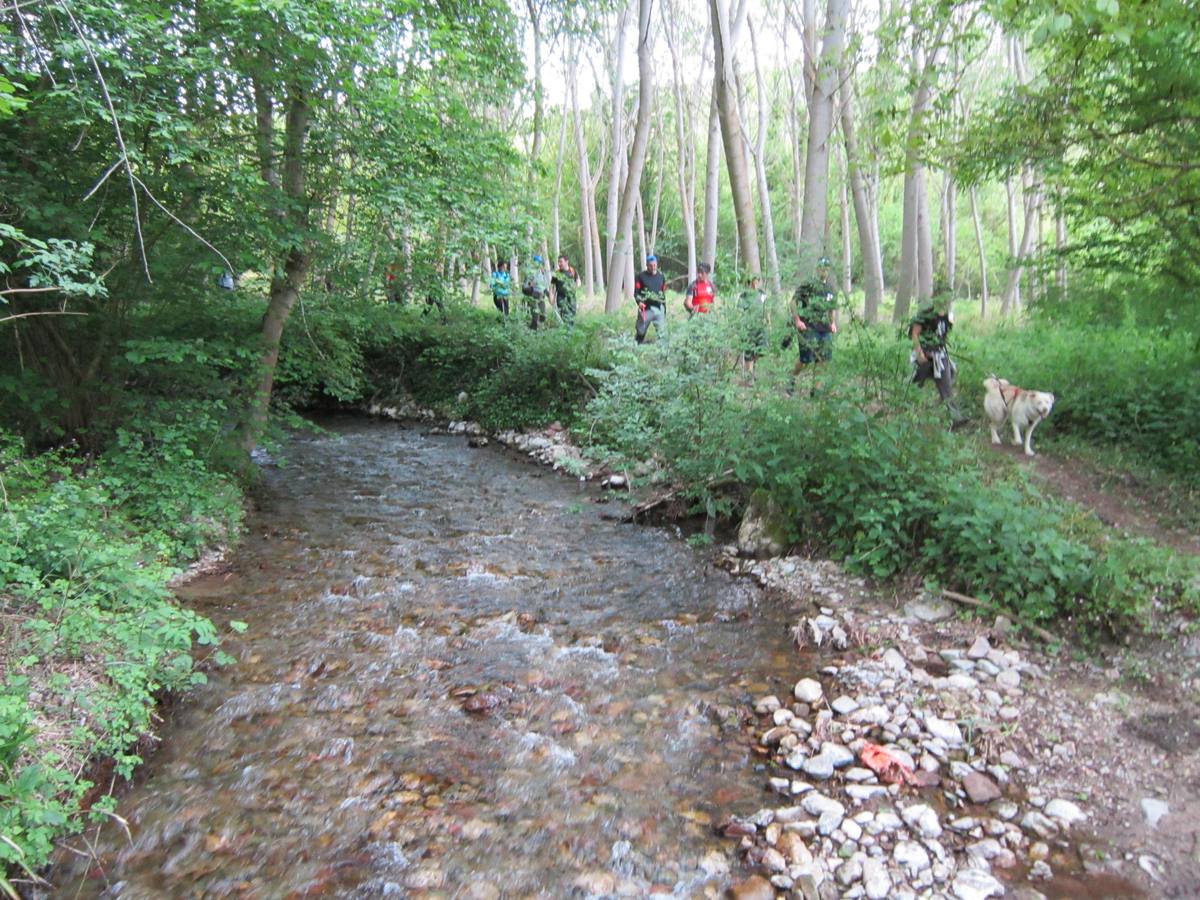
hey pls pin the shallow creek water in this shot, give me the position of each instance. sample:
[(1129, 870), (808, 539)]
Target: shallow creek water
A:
[(392, 582)]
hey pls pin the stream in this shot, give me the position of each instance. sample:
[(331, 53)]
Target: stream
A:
[(459, 679)]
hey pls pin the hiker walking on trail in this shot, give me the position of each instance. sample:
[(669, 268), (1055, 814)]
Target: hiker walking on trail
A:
[(535, 291), (814, 316), (650, 292), (930, 358), (564, 281), (501, 286), (702, 293)]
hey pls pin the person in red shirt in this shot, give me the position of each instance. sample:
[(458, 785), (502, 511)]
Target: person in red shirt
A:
[(701, 293)]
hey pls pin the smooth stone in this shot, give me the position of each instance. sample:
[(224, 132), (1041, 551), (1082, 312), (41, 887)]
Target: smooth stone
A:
[(944, 731), (844, 705), (753, 888), (1040, 824), (980, 788), (775, 735), (840, 755), (1154, 809), (894, 659), (817, 804), (875, 879), (819, 767), (848, 872), (1065, 811), (980, 649), (923, 819), (829, 821), (865, 792), (1009, 678), (859, 774), (782, 716), (773, 860), (975, 884), (962, 682), (808, 690), (987, 849), (852, 830), (930, 609), (911, 857)]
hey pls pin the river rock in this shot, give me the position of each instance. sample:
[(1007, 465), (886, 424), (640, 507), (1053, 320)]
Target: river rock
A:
[(911, 857), (922, 819), (817, 804), (865, 792), (929, 609), (980, 788), (1065, 811), (944, 731), (848, 872), (1154, 810), (764, 529), (819, 767), (1038, 823), (1009, 679), (894, 659), (875, 879), (808, 690), (839, 755), (976, 884), (844, 705), (980, 649), (753, 888)]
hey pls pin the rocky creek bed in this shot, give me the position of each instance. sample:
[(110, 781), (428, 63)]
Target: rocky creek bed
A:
[(460, 681)]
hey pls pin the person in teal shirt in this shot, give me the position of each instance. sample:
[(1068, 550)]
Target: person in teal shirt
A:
[(501, 286)]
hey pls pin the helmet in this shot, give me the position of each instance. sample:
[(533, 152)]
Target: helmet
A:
[(824, 263), (537, 258)]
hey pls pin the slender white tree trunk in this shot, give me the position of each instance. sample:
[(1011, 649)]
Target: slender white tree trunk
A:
[(760, 167), (687, 164), (558, 179), (820, 129), (868, 240), (1060, 244), (617, 138), (924, 237), (712, 183), (1033, 201), (725, 86), (585, 183), (983, 269), (621, 254)]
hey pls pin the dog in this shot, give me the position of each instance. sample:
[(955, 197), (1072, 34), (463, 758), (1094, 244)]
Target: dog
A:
[(1024, 409)]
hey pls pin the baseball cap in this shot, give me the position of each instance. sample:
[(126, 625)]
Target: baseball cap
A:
[(651, 258), (536, 258)]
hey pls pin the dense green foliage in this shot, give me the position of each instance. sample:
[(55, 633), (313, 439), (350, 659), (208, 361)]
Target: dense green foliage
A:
[(91, 635)]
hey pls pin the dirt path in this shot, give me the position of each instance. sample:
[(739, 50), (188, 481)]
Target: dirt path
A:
[(1119, 500)]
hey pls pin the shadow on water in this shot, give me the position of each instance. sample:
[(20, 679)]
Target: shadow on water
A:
[(457, 677)]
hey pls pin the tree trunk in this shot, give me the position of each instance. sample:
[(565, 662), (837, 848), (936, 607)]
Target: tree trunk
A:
[(712, 183), (687, 163), (868, 240), (924, 237), (288, 278), (760, 168), (983, 271), (558, 178), (1011, 300), (907, 280), (1033, 202), (725, 87), (637, 159), (950, 230), (617, 138), (820, 129), (1060, 244), (847, 252), (797, 195), (590, 264)]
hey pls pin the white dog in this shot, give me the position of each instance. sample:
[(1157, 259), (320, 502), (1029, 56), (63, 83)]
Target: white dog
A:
[(1025, 409)]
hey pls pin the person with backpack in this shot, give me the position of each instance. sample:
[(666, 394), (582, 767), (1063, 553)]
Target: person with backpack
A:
[(752, 322), (814, 316), (564, 282), (702, 293), (650, 293), (534, 289), (501, 286), (930, 358)]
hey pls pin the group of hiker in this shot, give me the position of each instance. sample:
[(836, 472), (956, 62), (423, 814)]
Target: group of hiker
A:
[(559, 291), (812, 311)]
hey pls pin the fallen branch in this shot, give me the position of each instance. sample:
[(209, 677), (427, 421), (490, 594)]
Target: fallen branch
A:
[(976, 603)]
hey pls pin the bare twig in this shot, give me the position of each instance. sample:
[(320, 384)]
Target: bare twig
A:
[(52, 312), (975, 603), (190, 230), (103, 178), (137, 213)]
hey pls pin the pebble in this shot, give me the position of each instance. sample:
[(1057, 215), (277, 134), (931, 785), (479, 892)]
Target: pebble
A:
[(1009, 679), (980, 788), (808, 690), (849, 872), (844, 705), (975, 884), (864, 792), (893, 659), (767, 705), (922, 819), (1005, 809), (911, 857), (876, 881), (819, 767), (753, 888), (929, 609), (1065, 811), (1039, 824), (817, 804), (980, 649), (1041, 871), (841, 756), (1154, 809), (944, 731)]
